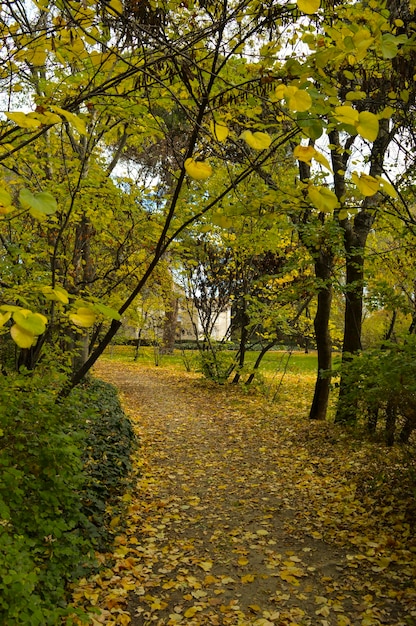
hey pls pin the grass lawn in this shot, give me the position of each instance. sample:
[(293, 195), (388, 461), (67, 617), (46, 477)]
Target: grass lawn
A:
[(275, 361)]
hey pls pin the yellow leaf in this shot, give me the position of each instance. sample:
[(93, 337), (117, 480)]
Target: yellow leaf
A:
[(115, 7), (84, 317), (4, 317), (323, 198), (209, 580), (23, 121), (199, 170), (57, 293), (158, 605), (257, 140), (368, 185), (36, 57), (308, 6), (280, 91), (346, 115), (304, 153), (387, 187), (206, 565), (219, 130), (242, 561), (24, 338), (72, 119), (248, 578), (367, 125), (227, 580), (49, 118), (323, 610), (191, 611), (298, 99), (322, 160)]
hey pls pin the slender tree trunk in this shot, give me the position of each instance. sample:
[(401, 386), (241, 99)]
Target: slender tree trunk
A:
[(259, 359), (243, 344), (323, 271)]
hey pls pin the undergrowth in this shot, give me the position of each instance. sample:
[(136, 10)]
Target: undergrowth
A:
[(60, 466)]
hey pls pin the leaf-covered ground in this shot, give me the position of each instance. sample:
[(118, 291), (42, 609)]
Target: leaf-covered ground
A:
[(246, 513)]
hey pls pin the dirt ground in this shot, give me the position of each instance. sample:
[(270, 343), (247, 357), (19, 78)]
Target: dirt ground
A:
[(243, 515)]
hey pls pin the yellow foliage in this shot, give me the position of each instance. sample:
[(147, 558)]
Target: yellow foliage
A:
[(199, 170), (368, 185), (83, 317), (308, 6), (257, 140)]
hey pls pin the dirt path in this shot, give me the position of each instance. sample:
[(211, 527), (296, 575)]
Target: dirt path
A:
[(242, 516)]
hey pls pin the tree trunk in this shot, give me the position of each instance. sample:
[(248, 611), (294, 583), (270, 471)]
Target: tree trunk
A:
[(169, 327), (243, 344), (355, 239), (323, 271), (259, 359)]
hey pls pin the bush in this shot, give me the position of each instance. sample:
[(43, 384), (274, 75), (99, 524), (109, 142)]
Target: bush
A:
[(109, 444), (216, 364), (56, 475), (382, 384)]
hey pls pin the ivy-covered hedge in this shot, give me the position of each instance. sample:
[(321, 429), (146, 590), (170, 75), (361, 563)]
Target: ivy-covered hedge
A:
[(60, 465)]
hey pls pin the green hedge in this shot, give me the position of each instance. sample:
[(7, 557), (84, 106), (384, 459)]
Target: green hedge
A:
[(60, 464)]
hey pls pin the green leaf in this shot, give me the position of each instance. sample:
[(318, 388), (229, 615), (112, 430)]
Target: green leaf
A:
[(5, 198), (107, 311), (389, 47), (33, 323), (311, 127), (5, 202), (41, 202)]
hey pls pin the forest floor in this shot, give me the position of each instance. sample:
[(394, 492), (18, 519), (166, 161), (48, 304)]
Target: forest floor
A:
[(246, 514)]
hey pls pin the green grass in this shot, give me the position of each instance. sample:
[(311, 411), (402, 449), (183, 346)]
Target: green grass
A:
[(274, 361)]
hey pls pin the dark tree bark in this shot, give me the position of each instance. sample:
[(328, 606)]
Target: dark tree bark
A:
[(259, 359), (323, 271), (355, 239)]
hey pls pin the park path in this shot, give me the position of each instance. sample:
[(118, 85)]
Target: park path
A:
[(239, 516)]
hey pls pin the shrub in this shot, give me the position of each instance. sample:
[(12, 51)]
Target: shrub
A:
[(110, 441), (382, 383), (57, 473), (216, 364)]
